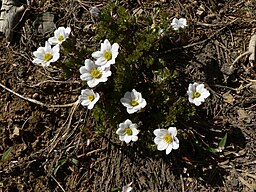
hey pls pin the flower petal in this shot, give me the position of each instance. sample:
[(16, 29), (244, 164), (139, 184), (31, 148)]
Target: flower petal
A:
[(143, 103), (53, 40), (127, 138), (56, 49), (56, 56), (128, 95), (134, 138), (122, 125), (83, 70), (89, 65), (92, 83), (47, 47), (85, 77), (121, 137), (106, 74), (168, 149), (134, 131), (120, 131), (175, 143), (67, 31), (37, 61), (101, 61), (131, 110), (162, 145), (39, 53), (127, 122), (160, 132), (157, 140), (107, 45), (97, 54), (200, 88), (205, 93), (197, 102), (172, 131)]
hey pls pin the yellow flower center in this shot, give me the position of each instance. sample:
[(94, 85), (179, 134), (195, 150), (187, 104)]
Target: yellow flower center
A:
[(95, 73), (134, 102), (90, 97), (107, 55), (196, 94), (48, 57), (128, 131), (167, 138), (61, 38)]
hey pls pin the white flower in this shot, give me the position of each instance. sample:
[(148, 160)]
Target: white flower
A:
[(127, 188), (197, 93), (94, 74), (127, 131), (46, 55), (60, 35), (94, 11), (179, 23), (88, 98), (166, 139), (107, 54), (133, 101)]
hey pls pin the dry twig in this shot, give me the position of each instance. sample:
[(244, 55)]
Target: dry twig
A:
[(37, 102)]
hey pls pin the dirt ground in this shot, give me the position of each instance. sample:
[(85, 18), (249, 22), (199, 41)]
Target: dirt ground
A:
[(57, 149)]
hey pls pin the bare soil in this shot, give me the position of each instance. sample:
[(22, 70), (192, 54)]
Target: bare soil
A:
[(57, 149)]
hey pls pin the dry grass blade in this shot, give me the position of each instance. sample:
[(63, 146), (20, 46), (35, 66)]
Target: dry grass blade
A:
[(63, 130)]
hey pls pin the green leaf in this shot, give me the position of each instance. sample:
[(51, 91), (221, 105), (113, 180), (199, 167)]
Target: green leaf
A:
[(115, 189), (61, 163), (223, 141), (6, 153), (74, 161), (212, 150)]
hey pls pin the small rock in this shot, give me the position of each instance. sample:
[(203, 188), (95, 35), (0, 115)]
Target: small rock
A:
[(228, 98), (35, 96), (253, 88)]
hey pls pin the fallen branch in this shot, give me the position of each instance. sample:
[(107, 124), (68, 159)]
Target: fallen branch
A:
[(37, 102), (240, 56)]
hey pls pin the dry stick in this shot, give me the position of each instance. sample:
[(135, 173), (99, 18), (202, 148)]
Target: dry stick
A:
[(182, 183), (240, 56), (52, 81), (35, 101), (57, 183), (246, 183)]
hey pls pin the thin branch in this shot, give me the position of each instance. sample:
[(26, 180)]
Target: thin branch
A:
[(240, 56), (35, 101)]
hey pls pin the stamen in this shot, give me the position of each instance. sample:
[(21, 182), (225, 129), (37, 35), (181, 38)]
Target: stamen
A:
[(196, 94), (90, 97), (107, 55), (95, 73), (167, 138), (61, 38), (48, 57), (128, 131), (134, 102)]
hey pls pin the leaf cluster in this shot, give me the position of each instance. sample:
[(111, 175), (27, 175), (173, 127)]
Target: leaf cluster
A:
[(140, 65)]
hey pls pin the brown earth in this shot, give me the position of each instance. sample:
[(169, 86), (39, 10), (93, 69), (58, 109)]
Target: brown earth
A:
[(57, 149)]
